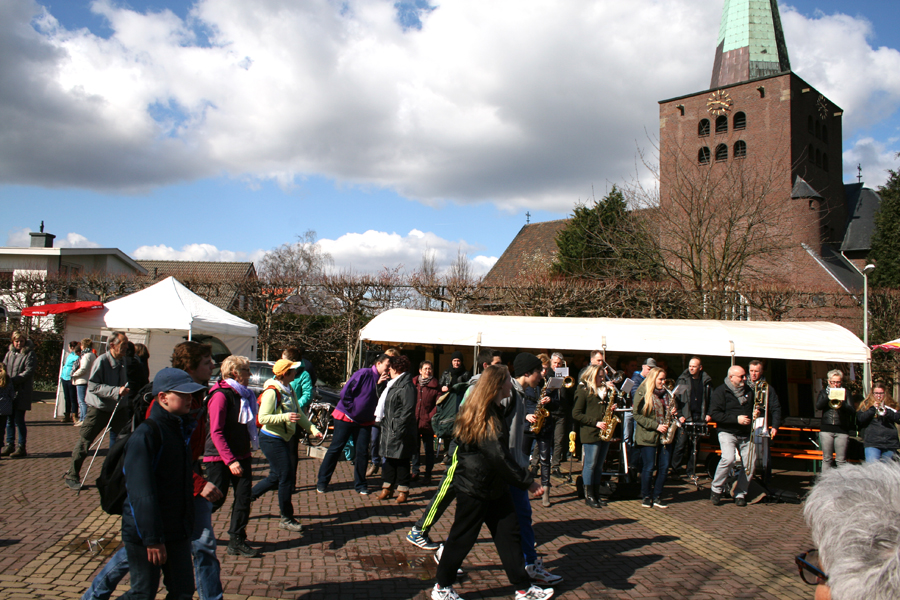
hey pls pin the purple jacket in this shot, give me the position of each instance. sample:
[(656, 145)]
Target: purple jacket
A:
[(359, 398)]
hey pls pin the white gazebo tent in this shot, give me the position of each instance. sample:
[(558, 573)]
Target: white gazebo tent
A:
[(790, 340), (161, 316)]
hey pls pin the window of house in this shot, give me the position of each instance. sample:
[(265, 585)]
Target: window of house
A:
[(703, 156), (740, 120), (721, 152), (740, 149), (722, 124), (703, 128)]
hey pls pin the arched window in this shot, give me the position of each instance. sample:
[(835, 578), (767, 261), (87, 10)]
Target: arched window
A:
[(721, 152), (818, 158), (818, 130), (809, 124), (740, 120), (740, 149), (825, 161), (703, 128), (703, 156), (825, 133), (722, 124)]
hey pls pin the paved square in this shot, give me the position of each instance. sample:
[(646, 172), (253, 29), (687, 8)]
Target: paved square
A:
[(353, 546)]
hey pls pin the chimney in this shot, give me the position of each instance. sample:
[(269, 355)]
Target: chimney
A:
[(41, 239)]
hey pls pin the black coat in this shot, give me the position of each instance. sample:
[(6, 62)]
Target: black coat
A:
[(485, 471), (398, 427), (725, 408), (684, 398), (881, 432), (20, 365), (159, 507), (835, 421)]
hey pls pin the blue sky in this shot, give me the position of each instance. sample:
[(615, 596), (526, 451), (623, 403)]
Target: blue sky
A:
[(218, 130)]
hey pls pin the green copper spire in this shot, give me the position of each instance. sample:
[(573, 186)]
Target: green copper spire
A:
[(751, 42)]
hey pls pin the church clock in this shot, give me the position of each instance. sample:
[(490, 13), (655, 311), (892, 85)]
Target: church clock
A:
[(719, 103)]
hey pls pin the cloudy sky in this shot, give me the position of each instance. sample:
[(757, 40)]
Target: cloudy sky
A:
[(219, 129)]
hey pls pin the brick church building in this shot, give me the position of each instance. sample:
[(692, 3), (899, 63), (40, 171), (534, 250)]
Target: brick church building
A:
[(760, 118)]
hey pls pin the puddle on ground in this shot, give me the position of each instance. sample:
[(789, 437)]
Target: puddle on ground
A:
[(98, 547), (397, 562)]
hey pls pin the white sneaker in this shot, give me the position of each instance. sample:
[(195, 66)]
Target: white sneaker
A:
[(447, 593), (437, 559), (539, 574), (535, 593)]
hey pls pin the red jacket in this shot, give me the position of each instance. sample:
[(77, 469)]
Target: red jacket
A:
[(426, 402)]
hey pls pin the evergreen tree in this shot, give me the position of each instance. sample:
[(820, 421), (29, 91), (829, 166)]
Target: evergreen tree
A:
[(605, 240), (885, 252)]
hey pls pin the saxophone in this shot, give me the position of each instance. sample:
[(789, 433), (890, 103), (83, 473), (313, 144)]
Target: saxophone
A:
[(609, 417), (540, 413), (672, 422)]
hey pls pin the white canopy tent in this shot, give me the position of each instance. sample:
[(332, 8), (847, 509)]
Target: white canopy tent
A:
[(160, 317), (791, 340)]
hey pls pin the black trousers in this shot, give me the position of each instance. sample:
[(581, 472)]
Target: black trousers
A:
[(544, 441), (220, 476), (395, 473), (500, 517), (94, 424), (561, 429), (681, 448)]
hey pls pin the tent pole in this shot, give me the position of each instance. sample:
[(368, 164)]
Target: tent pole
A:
[(603, 345), (359, 360), (732, 351), (477, 350), (190, 331)]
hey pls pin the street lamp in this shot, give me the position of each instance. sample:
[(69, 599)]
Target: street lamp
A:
[(868, 366)]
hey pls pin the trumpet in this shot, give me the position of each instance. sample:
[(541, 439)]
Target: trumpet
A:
[(616, 377), (835, 403)]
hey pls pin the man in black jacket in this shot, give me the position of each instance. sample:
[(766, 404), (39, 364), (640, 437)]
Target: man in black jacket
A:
[(731, 407), (693, 404), (158, 516)]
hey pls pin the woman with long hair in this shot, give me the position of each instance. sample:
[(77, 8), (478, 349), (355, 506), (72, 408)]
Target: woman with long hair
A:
[(652, 407), (878, 414), (591, 403), (484, 471)]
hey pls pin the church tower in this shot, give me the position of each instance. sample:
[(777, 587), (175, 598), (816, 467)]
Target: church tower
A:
[(762, 120)]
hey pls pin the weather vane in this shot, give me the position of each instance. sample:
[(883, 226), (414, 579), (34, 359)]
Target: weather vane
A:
[(527, 217), (859, 173)]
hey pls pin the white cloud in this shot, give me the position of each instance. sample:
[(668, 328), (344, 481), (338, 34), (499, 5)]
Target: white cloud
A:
[(20, 238), (524, 103), (875, 159), (373, 250), (194, 252)]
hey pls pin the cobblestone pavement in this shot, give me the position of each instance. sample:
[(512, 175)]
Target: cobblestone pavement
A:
[(353, 546)]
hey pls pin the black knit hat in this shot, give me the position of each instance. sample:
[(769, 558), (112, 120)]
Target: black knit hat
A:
[(525, 363), (456, 354)]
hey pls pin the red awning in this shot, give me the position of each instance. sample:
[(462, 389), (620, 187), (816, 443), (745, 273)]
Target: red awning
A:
[(58, 309)]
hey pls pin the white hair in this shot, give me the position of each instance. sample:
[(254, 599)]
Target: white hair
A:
[(854, 515), (557, 355), (835, 373)]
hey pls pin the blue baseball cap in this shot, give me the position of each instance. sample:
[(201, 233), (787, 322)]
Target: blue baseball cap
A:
[(175, 380)]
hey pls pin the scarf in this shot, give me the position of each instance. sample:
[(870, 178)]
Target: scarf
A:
[(423, 382), (248, 410), (660, 405), (379, 410), (740, 394)]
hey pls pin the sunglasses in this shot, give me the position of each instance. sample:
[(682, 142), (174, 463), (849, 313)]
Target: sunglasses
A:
[(809, 572)]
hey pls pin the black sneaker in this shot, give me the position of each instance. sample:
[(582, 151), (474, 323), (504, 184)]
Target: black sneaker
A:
[(647, 503), (716, 498), (740, 501), (660, 503), (239, 547)]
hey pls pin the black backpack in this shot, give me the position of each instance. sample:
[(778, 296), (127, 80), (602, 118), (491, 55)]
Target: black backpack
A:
[(111, 482)]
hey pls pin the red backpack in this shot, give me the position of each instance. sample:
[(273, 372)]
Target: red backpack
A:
[(278, 403)]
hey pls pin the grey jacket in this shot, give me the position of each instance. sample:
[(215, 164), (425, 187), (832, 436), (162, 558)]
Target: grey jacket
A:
[(20, 365), (107, 376), (516, 421)]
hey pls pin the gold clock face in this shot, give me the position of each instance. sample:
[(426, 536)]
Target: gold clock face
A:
[(719, 103), (822, 105)]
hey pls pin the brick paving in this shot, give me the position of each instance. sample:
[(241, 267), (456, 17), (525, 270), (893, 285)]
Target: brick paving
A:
[(353, 546)]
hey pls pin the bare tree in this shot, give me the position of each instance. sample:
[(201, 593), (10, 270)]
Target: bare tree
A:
[(304, 259)]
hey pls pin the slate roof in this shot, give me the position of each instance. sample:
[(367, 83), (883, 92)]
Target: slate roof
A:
[(839, 268), (804, 190), (862, 206), (534, 242), (200, 270)]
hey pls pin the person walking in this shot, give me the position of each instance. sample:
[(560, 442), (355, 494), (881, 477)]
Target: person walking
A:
[(20, 362), (398, 431), (279, 416), (485, 470)]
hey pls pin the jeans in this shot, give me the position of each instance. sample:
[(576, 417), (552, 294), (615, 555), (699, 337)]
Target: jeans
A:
[(203, 554), (543, 445), (277, 452), (522, 506), (81, 392), (876, 454), (832, 443), (375, 444), (71, 396), (16, 421), (344, 431), (427, 438), (104, 584), (176, 572), (594, 457), (730, 442), (657, 456)]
